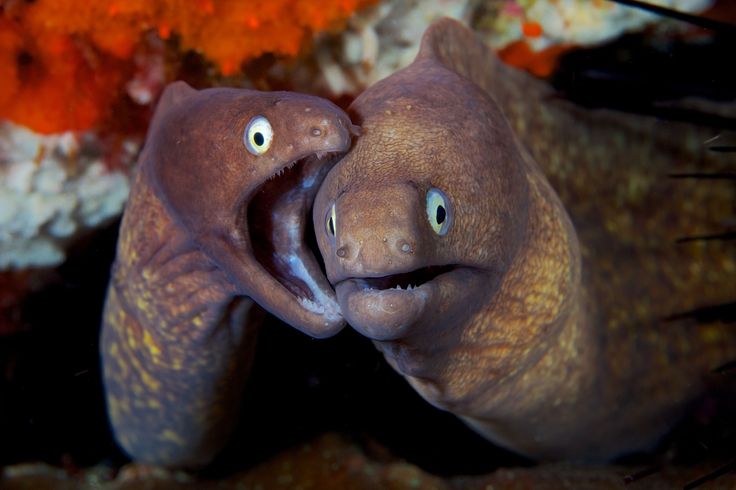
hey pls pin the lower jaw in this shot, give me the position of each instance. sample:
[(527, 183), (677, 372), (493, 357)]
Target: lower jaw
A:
[(381, 314), (393, 314)]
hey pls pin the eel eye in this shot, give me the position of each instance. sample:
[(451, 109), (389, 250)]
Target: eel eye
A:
[(330, 222), (258, 135), (439, 211)]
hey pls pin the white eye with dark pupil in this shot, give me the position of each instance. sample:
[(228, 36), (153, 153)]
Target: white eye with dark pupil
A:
[(258, 135), (439, 211)]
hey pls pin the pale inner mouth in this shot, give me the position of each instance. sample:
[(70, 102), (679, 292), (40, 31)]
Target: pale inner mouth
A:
[(407, 280), (278, 215)]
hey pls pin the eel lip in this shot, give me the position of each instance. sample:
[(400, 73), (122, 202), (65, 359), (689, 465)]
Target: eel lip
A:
[(380, 314), (386, 308)]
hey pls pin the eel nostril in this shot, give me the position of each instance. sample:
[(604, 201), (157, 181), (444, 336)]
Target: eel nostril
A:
[(342, 252), (405, 247)]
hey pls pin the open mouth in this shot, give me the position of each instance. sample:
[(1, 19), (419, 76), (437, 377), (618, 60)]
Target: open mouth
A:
[(407, 280), (278, 215)]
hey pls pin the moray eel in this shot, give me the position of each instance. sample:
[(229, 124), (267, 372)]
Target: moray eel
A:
[(559, 336), (214, 223)]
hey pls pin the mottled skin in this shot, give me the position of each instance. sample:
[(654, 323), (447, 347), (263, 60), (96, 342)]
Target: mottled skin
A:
[(179, 323), (544, 340)]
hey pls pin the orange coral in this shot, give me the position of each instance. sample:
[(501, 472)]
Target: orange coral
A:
[(56, 88), (540, 63), (62, 62)]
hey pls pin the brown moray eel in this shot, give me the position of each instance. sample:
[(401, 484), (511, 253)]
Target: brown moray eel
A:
[(450, 249), (215, 222)]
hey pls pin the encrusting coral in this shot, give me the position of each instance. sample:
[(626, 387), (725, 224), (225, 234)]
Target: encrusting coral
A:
[(63, 63), (532, 34), (52, 188)]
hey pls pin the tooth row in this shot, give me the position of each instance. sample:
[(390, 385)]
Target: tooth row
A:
[(283, 169), (311, 305)]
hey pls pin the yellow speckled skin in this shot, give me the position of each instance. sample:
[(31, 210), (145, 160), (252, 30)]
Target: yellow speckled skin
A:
[(179, 327), (545, 337), (177, 342)]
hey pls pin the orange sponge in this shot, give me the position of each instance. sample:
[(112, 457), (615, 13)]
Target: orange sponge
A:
[(63, 62), (540, 63)]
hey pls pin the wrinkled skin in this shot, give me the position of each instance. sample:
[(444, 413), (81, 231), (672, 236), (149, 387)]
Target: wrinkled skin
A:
[(211, 228), (507, 318)]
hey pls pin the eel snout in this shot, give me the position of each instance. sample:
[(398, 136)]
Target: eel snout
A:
[(390, 270)]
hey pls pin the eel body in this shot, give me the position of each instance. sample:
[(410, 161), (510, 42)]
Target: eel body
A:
[(214, 224), (560, 336)]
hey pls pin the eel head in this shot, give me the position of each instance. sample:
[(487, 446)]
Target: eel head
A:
[(418, 223), (238, 171)]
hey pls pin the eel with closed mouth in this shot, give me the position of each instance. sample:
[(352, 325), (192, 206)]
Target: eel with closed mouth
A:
[(559, 336), (215, 223)]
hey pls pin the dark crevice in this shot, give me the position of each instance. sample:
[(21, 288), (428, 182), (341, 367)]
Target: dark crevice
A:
[(639, 475), (729, 235), (723, 149), (24, 58), (717, 473), (725, 312), (728, 368), (705, 175), (678, 78), (696, 20)]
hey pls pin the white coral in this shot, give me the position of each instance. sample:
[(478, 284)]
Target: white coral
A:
[(579, 22), (52, 188), (379, 41)]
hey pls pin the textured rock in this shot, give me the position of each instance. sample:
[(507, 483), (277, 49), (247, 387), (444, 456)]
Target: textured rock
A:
[(52, 189), (332, 462)]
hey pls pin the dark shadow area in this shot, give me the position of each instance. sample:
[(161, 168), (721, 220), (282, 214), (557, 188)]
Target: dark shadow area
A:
[(643, 74), (51, 406)]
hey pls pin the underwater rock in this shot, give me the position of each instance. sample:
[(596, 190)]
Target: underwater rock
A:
[(543, 23), (53, 189), (531, 34), (571, 477), (333, 462), (378, 41)]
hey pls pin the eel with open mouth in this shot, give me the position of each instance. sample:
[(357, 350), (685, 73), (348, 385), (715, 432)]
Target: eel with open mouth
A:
[(215, 223), (449, 248)]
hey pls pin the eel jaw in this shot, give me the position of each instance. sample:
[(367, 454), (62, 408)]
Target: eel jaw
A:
[(277, 214), (388, 307)]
